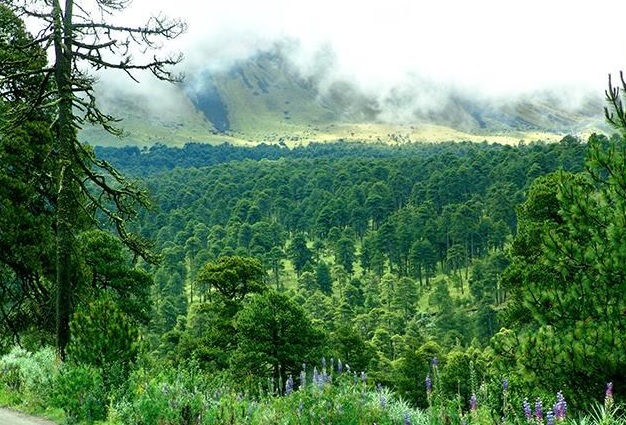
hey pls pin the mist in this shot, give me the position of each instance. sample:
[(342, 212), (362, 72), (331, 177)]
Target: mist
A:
[(410, 53)]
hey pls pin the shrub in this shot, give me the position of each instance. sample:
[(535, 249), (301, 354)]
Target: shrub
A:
[(29, 376), (79, 391)]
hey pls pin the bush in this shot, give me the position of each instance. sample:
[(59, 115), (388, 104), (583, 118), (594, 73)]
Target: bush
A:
[(164, 397), (79, 391), (28, 376)]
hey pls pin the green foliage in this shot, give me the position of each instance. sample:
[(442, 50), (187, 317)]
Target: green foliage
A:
[(27, 164), (166, 397), (274, 338), (107, 269), (567, 279), (28, 376), (186, 396), (299, 253), (104, 338), (232, 277), (80, 391)]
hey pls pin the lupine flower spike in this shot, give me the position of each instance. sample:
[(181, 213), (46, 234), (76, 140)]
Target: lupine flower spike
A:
[(407, 419), (538, 411), (560, 407), (473, 403), (289, 385), (608, 396), (527, 410), (429, 390)]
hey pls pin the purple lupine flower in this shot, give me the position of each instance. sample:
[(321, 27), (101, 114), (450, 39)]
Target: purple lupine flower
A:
[(339, 366), (473, 403), (302, 379), (435, 361), (608, 395), (560, 407), (363, 377), (289, 385), (383, 401), (538, 410), (505, 385), (429, 384), (407, 419), (549, 418), (527, 410)]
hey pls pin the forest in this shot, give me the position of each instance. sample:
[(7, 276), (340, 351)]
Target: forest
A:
[(346, 283)]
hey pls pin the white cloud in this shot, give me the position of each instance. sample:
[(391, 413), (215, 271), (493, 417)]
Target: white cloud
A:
[(493, 46)]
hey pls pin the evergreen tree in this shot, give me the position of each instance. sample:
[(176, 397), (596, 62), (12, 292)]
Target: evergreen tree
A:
[(82, 181)]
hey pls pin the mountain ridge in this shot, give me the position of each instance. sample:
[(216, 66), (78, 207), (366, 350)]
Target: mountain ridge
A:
[(267, 99)]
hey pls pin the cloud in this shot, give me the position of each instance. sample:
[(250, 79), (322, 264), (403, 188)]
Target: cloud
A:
[(487, 48)]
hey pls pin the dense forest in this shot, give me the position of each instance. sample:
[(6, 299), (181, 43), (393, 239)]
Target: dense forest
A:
[(395, 253), (339, 282)]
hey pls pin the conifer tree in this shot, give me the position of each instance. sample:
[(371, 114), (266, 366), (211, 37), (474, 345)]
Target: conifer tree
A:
[(80, 38)]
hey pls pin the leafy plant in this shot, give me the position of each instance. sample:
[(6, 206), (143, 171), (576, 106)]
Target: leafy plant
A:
[(79, 391)]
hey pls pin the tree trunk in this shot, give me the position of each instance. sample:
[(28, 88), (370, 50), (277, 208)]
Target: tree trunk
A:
[(65, 138)]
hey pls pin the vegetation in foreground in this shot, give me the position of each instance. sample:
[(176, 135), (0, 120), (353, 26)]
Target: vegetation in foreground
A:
[(329, 393)]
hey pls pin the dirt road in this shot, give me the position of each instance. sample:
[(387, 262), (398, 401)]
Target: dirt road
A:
[(11, 417)]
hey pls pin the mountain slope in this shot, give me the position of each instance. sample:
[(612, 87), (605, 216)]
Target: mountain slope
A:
[(267, 99)]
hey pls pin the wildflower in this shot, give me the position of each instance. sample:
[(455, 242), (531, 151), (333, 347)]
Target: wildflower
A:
[(527, 410), (549, 418), (289, 385), (363, 377), (303, 376), (429, 384), (473, 403), (407, 419), (505, 385), (435, 362), (383, 401), (318, 378), (608, 396), (560, 407), (339, 366), (538, 411), (302, 379)]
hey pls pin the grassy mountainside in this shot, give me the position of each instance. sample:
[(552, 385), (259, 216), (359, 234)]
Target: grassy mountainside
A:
[(266, 99)]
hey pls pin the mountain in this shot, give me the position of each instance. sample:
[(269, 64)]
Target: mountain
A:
[(267, 98)]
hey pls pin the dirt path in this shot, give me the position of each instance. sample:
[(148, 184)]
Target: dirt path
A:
[(11, 417)]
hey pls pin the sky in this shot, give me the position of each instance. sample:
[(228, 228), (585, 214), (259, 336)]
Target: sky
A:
[(491, 47)]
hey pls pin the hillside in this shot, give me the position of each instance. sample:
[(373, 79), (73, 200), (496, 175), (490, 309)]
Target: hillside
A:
[(268, 99)]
